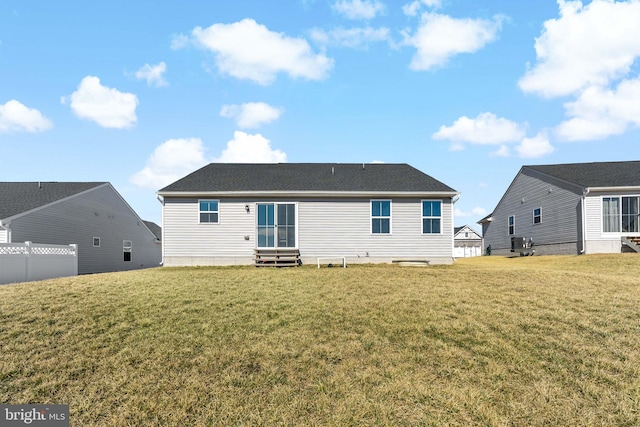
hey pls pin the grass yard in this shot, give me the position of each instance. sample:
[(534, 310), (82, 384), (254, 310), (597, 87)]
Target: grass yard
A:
[(491, 341)]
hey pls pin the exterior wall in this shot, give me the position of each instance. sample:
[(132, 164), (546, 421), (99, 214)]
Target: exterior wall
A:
[(3, 235), (325, 228), (98, 213), (598, 241), (560, 229)]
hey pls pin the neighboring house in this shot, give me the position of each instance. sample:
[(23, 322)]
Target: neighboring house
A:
[(569, 209), (223, 213), (466, 242), (109, 234)]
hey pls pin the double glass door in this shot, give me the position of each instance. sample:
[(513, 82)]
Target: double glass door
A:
[(276, 225)]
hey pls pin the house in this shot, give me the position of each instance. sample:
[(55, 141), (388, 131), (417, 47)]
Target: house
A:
[(226, 214), (109, 234), (569, 209), (466, 242)]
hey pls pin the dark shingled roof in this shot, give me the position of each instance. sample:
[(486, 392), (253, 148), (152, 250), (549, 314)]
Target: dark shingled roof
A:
[(155, 229), (19, 197), (321, 177), (597, 174)]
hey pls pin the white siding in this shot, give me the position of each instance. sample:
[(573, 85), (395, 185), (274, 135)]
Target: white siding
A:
[(596, 240), (97, 213), (326, 227), (3, 235)]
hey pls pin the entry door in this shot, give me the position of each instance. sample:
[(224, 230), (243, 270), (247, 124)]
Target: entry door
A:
[(276, 225)]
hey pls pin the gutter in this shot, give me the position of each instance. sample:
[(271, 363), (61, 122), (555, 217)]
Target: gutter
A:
[(451, 194)]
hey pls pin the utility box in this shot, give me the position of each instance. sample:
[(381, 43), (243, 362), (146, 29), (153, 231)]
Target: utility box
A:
[(520, 245)]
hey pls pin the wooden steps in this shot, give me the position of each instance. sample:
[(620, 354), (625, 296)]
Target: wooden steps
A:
[(282, 257), (632, 242)]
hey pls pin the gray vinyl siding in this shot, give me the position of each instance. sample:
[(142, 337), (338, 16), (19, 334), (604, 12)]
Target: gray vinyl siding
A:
[(325, 228), (560, 229), (97, 213)]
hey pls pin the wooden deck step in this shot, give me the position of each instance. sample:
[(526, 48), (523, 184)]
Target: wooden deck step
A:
[(283, 257)]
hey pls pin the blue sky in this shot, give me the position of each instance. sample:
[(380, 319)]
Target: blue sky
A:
[(141, 93)]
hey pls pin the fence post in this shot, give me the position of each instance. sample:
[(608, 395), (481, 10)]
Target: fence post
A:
[(27, 275), (75, 251)]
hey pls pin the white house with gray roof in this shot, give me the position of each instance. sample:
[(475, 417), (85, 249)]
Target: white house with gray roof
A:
[(569, 209), (226, 213), (109, 234)]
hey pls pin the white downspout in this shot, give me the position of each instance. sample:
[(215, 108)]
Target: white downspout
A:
[(161, 200), (584, 219)]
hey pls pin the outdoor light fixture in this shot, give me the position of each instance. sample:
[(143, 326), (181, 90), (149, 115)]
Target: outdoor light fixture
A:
[(246, 208)]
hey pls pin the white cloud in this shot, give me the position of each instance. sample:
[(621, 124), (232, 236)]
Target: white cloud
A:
[(171, 161), (106, 106), (251, 114), (153, 74), (176, 158), (587, 45), (537, 146), (180, 41), (246, 148), (599, 112), (475, 212), (16, 117), (358, 9), (248, 50), (486, 129), (439, 37), (412, 9), (350, 37), (503, 151)]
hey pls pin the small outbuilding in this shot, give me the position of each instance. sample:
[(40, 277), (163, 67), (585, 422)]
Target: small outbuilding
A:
[(466, 242)]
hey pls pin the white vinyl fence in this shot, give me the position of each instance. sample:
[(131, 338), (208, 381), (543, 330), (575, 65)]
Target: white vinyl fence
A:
[(24, 262)]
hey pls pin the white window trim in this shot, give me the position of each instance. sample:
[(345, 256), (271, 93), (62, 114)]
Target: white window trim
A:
[(615, 233), (514, 225), (533, 216), (199, 211), (390, 217), (431, 217)]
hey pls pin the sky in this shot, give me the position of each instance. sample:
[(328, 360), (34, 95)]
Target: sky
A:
[(141, 93)]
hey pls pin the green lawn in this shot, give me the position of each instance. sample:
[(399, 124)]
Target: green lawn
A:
[(489, 341)]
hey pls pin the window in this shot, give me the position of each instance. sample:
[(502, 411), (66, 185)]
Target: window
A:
[(620, 214), (209, 211), (96, 242), (381, 216), (431, 216), (630, 214), (610, 214), (537, 215), (511, 225), (127, 249)]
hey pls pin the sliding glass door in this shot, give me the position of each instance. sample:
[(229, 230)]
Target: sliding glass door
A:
[(276, 225)]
